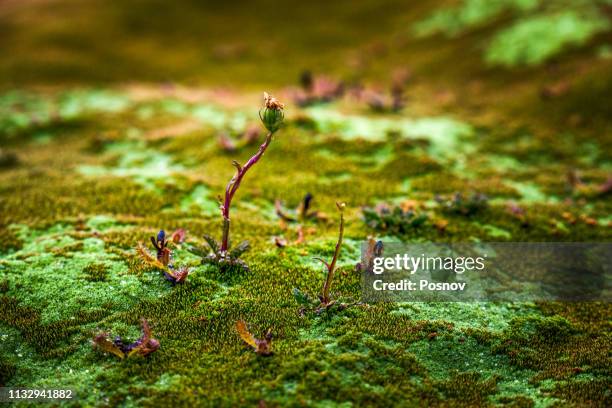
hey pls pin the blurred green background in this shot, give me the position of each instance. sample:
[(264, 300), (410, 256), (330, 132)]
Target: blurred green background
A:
[(46, 41), (501, 53)]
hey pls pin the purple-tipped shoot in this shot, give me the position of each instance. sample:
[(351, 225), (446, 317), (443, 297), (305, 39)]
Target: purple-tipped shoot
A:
[(163, 258)]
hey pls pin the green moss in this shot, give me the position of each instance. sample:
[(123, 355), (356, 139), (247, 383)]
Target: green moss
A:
[(538, 31), (468, 388), (584, 392), (52, 274), (7, 370), (68, 268), (200, 199), (442, 133), (10, 241), (536, 329), (96, 272), (533, 40), (476, 315)]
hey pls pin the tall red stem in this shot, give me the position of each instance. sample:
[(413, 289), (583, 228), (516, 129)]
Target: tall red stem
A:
[(232, 187)]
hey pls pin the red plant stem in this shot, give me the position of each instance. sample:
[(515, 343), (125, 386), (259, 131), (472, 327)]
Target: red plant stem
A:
[(331, 269), (232, 187)]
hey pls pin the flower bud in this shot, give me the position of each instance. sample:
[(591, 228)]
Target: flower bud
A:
[(272, 113), (272, 119)]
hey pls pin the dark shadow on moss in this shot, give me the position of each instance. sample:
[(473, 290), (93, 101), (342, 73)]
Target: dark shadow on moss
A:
[(50, 340)]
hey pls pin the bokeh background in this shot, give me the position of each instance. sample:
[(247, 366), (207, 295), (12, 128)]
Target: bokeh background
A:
[(501, 54)]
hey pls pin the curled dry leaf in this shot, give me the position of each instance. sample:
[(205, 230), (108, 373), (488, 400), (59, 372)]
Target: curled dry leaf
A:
[(147, 258), (102, 342), (144, 346), (177, 275), (262, 347)]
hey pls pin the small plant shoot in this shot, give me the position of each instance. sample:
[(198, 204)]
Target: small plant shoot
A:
[(221, 254)]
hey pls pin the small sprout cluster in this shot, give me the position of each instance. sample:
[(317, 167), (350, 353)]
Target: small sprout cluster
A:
[(317, 89), (163, 256), (461, 204), (395, 220), (225, 260), (301, 214), (380, 102), (517, 212), (262, 347), (144, 346), (394, 102), (579, 188)]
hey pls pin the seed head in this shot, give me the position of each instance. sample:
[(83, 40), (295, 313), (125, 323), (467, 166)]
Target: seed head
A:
[(272, 113), (271, 102)]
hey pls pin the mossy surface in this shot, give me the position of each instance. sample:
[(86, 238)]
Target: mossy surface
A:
[(100, 166), (69, 269)]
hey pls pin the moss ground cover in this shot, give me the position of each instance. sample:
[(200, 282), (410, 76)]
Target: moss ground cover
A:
[(100, 165)]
